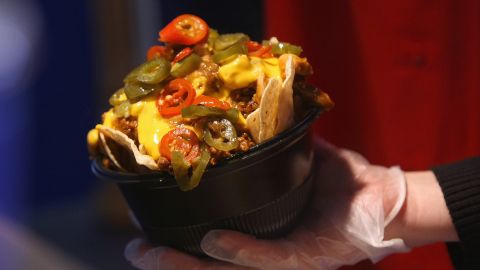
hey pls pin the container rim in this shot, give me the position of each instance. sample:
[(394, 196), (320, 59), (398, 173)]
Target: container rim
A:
[(290, 134)]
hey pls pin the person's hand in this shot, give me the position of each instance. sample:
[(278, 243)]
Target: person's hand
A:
[(353, 202)]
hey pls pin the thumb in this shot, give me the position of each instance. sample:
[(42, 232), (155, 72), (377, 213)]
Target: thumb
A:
[(246, 250), (135, 251)]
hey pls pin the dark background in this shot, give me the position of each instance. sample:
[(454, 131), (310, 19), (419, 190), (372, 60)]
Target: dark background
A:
[(64, 58)]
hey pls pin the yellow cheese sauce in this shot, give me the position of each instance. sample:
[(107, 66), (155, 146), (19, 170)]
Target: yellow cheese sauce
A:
[(92, 138), (151, 127), (244, 70), (108, 118), (199, 83)]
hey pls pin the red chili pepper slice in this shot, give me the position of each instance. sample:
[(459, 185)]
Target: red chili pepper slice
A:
[(186, 29), (262, 52), (158, 51), (182, 55), (177, 95), (180, 139), (258, 50), (253, 46), (211, 102)]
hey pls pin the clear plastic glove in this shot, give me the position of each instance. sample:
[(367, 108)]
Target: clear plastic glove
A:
[(353, 202)]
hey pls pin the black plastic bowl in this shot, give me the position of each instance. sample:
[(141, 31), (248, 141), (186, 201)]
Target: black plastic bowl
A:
[(261, 192)]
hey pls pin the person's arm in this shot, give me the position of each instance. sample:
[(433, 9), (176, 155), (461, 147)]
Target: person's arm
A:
[(424, 217), (460, 183), (443, 205)]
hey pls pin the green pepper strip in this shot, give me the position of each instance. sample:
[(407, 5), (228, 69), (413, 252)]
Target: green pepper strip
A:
[(212, 37), (186, 66), (222, 56), (134, 90), (199, 169), (228, 133), (232, 115), (181, 167), (196, 111), (154, 71), (283, 47), (224, 41), (151, 72)]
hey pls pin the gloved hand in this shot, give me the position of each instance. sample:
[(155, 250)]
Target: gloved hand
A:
[(353, 202)]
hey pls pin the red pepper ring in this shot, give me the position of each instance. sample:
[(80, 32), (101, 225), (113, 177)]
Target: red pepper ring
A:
[(182, 55), (211, 102), (158, 51), (262, 52), (180, 139), (186, 29), (258, 50), (253, 46), (177, 95)]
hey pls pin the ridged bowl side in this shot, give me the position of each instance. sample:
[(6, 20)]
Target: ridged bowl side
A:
[(270, 221)]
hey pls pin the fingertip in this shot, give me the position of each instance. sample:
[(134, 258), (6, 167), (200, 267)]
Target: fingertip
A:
[(135, 251), (166, 258), (220, 244), (242, 249), (155, 257), (131, 250), (210, 243)]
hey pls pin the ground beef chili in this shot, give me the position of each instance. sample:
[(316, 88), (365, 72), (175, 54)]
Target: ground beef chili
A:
[(127, 126), (242, 100), (209, 69), (245, 143)]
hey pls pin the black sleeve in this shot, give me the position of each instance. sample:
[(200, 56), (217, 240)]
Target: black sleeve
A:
[(460, 183)]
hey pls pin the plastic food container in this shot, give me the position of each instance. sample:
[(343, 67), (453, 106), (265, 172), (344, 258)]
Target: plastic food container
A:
[(262, 192)]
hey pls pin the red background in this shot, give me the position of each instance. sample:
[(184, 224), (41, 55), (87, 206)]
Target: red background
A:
[(405, 77)]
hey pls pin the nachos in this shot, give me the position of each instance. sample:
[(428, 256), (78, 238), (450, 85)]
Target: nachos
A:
[(202, 97)]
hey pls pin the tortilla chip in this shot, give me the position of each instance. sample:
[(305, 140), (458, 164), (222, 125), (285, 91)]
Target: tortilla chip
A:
[(260, 87), (253, 125), (125, 141), (269, 109), (106, 149), (259, 122), (285, 116), (275, 112), (300, 65)]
